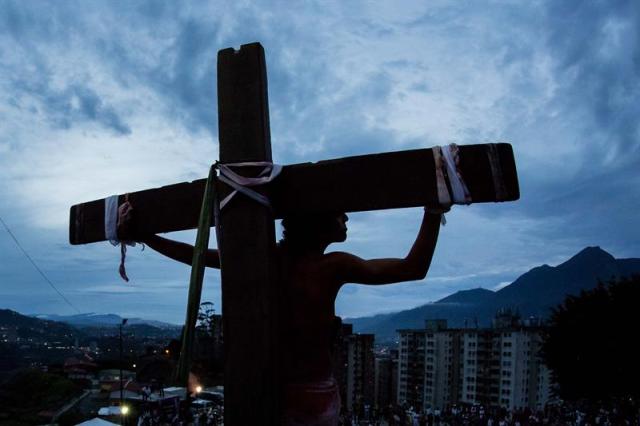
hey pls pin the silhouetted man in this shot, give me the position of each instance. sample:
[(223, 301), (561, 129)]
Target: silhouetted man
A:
[(311, 280)]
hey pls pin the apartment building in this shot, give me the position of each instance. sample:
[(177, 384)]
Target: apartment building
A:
[(360, 372), (411, 368), (441, 365), (386, 380), (495, 367), (354, 369)]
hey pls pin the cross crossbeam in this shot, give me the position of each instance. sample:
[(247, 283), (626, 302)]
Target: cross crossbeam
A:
[(351, 184)]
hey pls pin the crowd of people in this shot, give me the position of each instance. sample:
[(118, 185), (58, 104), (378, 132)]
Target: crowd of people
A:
[(195, 417), (621, 413), (625, 413)]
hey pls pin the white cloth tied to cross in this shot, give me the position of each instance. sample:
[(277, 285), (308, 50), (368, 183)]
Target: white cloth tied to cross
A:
[(111, 216), (446, 163), (111, 219), (241, 183), (446, 166)]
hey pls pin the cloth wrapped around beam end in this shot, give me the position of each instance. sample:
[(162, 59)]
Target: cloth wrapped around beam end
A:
[(447, 170), (112, 216)]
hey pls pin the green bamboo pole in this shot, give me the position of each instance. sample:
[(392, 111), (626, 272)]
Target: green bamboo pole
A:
[(195, 283)]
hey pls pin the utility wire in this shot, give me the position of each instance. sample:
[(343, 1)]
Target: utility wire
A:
[(36, 266)]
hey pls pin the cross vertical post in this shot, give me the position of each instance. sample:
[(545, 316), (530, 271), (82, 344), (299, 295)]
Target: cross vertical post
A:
[(247, 247)]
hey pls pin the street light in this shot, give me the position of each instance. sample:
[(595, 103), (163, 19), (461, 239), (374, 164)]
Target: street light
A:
[(124, 321), (124, 410)]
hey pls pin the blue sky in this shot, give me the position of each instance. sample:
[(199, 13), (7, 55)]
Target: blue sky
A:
[(98, 98)]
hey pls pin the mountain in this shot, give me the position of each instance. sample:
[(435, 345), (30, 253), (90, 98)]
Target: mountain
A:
[(57, 327), (465, 297), (33, 328), (104, 320), (543, 287), (532, 294)]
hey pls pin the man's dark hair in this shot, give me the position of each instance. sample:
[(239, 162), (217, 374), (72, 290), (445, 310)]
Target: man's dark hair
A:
[(301, 229)]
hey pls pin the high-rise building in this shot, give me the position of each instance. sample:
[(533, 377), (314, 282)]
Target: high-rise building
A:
[(340, 358), (354, 369), (360, 372), (386, 380), (411, 371), (495, 367), (440, 365)]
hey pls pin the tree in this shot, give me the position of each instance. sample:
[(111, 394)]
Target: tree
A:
[(590, 345), (27, 393), (207, 319), (207, 359)]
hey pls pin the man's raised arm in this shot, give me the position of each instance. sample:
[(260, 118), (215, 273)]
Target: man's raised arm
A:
[(181, 252), (128, 230), (352, 269)]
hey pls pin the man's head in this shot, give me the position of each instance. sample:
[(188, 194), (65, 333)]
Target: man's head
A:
[(312, 229)]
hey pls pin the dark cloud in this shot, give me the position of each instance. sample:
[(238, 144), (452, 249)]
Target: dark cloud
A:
[(35, 34), (183, 73), (582, 183), (339, 127), (71, 105), (596, 46), (26, 24), (187, 78)]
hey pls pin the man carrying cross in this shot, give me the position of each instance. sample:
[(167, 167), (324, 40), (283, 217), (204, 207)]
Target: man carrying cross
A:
[(310, 283), (254, 301)]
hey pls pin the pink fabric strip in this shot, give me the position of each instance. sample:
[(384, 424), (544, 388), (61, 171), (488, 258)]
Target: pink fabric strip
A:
[(241, 183), (443, 192), (459, 189)]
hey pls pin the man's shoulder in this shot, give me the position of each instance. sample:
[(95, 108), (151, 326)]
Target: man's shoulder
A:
[(343, 256), (341, 261), (339, 256)]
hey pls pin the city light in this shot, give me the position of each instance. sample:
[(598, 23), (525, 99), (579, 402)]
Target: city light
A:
[(198, 389), (124, 410)]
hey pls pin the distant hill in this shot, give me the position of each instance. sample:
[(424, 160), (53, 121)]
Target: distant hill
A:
[(44, 327), (477, 295), (27, 327), (532, 294), (104, 320)]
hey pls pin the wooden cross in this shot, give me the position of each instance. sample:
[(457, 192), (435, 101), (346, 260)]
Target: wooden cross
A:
[(249, 274)]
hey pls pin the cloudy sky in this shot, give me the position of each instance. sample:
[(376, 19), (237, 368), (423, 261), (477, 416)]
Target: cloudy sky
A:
[(98, 98)]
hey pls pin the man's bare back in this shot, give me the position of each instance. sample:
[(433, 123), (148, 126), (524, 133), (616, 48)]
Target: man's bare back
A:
[(311, 280)]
